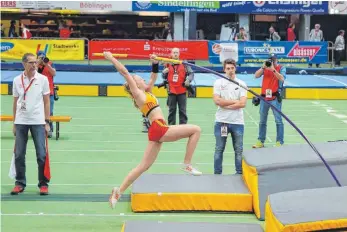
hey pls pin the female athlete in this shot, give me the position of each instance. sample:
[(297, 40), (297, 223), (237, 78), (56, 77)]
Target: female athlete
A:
[(158, 132)]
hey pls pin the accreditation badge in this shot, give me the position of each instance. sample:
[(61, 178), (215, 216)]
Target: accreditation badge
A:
[(268, 93), (23, 106), (224, 131), (175, 77)]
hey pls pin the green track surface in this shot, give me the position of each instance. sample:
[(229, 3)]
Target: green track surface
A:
[(103, 142)]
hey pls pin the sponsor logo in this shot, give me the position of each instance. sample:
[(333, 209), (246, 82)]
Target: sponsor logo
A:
[(96, 6), (5, 46), (259, 3), (304, 51), (289, 3), (266, 49), (8, 4), (143, 5), (230, 4)]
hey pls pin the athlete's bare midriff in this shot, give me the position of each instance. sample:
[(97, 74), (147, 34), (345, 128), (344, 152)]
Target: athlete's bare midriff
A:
[(155, 114)]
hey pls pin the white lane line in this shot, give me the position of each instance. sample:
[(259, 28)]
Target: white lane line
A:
[(119, 162), (339, 116), (327, 78), (122, 133), (103, 150), (252, 119), (332, 112), (68, 184), (243, 216)]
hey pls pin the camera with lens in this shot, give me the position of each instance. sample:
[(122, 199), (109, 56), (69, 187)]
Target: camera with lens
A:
[(256, 101), (46, 60), (268, 63), (164, 84), (190, 89)]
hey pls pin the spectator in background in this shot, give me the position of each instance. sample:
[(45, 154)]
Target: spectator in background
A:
[(12, 31), (167, 33), (339, 47), (46, 68), (274, 36), (242, 35), (316, 35), (30, 112), (26, 34), (290, 32), (2, 30), (64, 31)]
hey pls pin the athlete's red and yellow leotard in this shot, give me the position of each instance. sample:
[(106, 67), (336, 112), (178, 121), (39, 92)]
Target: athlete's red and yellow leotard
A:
[(158, 127)]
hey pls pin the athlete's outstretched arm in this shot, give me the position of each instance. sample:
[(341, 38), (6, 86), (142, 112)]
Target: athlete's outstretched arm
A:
[(124, 72), (154, 73)]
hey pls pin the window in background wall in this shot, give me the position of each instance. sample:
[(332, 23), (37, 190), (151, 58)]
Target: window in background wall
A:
[(260, 25), (112, 26), (209, 25)]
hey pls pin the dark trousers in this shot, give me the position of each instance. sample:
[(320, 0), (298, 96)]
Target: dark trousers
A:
[(338, 57), (51, 98), (38, 133), (172, 102)]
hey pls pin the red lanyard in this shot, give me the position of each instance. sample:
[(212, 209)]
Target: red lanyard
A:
[(27, 88)]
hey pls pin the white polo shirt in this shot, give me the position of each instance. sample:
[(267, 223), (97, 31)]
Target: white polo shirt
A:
[(229, 91), (35, 112)]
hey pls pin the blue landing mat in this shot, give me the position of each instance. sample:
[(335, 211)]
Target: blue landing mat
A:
[(201, 79)]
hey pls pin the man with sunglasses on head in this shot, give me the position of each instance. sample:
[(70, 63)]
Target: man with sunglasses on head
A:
[(31, 112), (46, 68)]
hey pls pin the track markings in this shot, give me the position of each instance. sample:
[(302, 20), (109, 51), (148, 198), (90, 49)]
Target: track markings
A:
[(331, 111), (195, 216)]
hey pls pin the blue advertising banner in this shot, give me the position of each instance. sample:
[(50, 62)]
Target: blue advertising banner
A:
[(258, 51), (245, 7)]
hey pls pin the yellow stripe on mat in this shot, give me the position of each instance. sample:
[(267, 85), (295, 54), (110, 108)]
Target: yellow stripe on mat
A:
[(147, 202), (250, 177), (272, 223), (123, 228)]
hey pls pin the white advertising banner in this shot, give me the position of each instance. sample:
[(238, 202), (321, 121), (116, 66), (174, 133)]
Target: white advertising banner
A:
[(70, 5)]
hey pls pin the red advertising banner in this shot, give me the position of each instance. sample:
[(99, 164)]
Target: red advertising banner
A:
[(189, 50), (138, 47)]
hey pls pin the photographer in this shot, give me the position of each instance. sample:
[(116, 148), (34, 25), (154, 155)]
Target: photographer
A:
[(46, 68), (271, 89), (177, 79)]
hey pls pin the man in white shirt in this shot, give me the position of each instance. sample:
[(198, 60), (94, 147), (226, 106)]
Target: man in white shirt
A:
[(31, 111), (230, 99)]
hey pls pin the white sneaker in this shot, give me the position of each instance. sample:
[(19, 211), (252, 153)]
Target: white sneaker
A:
[(115, 195), (191, 170)]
